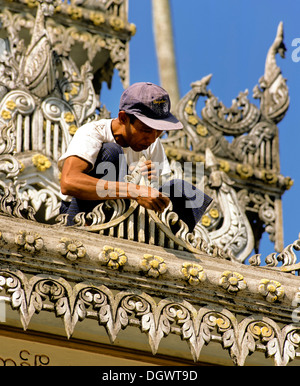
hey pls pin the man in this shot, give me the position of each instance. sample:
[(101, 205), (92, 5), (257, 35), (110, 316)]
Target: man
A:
[(101, 152)]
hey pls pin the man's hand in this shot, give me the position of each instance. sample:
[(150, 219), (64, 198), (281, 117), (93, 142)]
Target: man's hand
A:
[(152, 199), (148, 170), (76, 182)]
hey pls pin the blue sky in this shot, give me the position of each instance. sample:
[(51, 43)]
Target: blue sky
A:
[(229, 39)]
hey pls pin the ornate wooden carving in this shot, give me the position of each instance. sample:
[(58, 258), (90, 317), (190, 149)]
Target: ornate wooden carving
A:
[(244, 138), (172, 281), (200, 298)]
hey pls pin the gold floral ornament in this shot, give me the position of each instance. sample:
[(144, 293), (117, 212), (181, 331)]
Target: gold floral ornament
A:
[(69, 117), (30, 241), (288, 182), (74, 91), (132, 29), (232, 281), (97, 18), (114, 258), (201, 130), (193, 273), (154, 266), (41, 162), (244, 170), (6, 115), (32, 3), (22, 166), (214, 213), (208, 218), (75, 13), (75, 34), (198, 158), (73, 129), (206, 221), (193, 120), (173, 153), (269, 177), (272, 290), (11, 105), (71, 249), (116, 23), (189, 108), (224, 166)]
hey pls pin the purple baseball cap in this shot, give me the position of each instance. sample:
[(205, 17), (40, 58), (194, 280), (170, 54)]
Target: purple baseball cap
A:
[(150, 104)]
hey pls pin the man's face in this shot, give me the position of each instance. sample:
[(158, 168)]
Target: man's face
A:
[(141, 136)]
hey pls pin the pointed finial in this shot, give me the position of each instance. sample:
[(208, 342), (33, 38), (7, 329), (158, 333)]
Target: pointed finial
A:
[(210, 160)]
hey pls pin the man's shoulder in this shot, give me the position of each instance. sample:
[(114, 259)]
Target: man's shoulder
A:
[(100, 129), (99, 124)]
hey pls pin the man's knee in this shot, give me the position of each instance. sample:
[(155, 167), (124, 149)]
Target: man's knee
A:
[(110, 152), (110, 164), (189, 202)]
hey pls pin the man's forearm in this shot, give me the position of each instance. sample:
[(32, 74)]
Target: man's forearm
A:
[(113, 190), (85, 187), (89, 188)]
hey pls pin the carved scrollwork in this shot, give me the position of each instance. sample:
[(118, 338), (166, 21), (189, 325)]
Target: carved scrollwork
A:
[(158, 320), (273, 92), (11, 204), (47, 118), (38, 68), (7, 139), (18, 101), (263, 205), (51, 289), (236, 120), (287, 257), (77, 89), (10, 167), (41, 162), (117, 217), (90, 297), (45, 96), (244, 138), (291, 344), (234, 232), (108, 213), (244, 147)]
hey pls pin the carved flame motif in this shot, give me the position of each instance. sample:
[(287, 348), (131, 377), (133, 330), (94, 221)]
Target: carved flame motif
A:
[(242, 136)]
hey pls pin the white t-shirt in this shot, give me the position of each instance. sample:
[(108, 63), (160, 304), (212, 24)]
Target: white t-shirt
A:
[(88, 140)]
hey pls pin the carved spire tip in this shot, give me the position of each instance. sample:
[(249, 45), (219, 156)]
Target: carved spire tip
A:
[(210, 160)]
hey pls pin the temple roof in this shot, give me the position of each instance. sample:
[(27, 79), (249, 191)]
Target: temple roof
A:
[(123, 267)]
